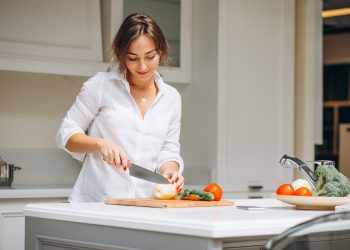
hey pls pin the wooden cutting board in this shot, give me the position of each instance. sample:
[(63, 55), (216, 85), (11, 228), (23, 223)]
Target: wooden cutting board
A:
[(143, 202)]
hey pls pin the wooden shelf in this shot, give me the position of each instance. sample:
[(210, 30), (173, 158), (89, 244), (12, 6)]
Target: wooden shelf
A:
[(336, 104)]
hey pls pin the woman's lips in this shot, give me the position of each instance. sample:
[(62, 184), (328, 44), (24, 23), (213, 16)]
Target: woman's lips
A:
[(142, 73)]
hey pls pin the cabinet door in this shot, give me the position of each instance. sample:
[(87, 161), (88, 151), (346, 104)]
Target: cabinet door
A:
[(64, 29), (43, 36), (255, 93), (12, 231)]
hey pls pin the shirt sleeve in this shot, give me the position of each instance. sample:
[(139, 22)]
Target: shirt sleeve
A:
[(170, 150), (80, 115)]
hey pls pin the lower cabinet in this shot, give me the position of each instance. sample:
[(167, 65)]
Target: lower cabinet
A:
[(12, 230), (12, 221)]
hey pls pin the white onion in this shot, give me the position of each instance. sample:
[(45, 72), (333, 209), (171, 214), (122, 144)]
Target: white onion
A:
[(165, 191), (301, 183)]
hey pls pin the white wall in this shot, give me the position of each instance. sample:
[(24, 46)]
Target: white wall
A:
[(199, 120), (32, 106)]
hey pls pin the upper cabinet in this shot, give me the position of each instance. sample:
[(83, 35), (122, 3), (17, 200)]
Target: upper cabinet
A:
[(74, 37), (59, 37), (174, 18)]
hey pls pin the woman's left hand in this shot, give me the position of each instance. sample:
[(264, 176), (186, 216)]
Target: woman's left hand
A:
[(172, 174)]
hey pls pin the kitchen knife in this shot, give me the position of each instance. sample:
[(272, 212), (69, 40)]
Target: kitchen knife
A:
[(145, 174)]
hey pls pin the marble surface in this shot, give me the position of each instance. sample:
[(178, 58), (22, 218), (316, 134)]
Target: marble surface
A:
[(270, 218), (34, 192)]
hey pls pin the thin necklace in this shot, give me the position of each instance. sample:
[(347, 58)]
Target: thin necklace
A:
[(143, 99)]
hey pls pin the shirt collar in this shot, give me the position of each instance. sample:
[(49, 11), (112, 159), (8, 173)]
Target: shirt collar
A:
[(116, 75), (159, 81)]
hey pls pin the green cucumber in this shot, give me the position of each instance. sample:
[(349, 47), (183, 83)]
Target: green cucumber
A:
[(202, 195)]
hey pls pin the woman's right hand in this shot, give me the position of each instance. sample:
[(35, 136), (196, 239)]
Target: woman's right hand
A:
[(112, 154)]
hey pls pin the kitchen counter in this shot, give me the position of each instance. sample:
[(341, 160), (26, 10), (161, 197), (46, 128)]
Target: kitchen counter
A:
[(219, 224), (34, 192)]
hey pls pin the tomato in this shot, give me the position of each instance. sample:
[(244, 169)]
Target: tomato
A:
[(285, 189), (215, 189), (303, 191)]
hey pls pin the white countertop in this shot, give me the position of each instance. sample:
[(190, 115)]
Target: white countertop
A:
[(34, 192), (212, 222)]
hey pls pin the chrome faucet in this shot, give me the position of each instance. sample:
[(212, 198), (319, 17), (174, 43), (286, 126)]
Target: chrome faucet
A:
[(289, 162)]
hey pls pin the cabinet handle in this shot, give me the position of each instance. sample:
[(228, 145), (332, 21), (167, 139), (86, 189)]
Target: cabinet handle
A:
[(255, 187), (255, 197)]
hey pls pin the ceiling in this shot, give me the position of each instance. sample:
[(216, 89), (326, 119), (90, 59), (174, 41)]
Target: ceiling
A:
[(338, 24)]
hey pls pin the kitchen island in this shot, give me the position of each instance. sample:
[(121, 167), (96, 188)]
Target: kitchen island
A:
[(100, 226)]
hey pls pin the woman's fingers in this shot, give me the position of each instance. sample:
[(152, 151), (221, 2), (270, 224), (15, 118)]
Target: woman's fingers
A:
[(116, 156), (123, 158), (180, 183), (113, 155), (177, 180), (108, 157), (172, 176)]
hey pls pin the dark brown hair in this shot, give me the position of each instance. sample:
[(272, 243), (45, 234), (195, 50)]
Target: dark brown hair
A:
[(135, 25)]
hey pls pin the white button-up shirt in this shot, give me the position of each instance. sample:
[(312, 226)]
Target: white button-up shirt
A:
[(105, 108)]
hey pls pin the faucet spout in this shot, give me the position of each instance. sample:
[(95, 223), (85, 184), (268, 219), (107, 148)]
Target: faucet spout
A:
[(294, 162)]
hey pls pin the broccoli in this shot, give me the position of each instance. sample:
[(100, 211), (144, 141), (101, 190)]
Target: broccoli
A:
[(331, 182)]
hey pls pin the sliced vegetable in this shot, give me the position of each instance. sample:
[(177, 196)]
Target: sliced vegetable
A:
[(165, 191), (285, 189), (195, 194), (192, 197), (204, 196), (301, 183), (186, 193), (215, 189), (303, 191)]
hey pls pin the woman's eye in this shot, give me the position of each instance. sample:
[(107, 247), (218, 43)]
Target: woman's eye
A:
[(132, 59), (150, 57)]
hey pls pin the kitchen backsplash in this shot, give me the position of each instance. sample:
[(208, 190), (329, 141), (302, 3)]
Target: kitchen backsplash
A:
[(55, 168), (42, 167)]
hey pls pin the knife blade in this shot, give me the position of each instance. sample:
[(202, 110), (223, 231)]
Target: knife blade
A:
[(145, 174)]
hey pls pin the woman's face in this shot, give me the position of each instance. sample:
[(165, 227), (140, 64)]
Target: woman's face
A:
[(142, 59)]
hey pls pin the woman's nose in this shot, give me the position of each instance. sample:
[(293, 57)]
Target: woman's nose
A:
[(142, 65)]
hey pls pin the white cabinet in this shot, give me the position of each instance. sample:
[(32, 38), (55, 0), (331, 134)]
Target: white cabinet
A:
[(74, 37), (255, 94), (12, 219), (12, 230), (59, 37)]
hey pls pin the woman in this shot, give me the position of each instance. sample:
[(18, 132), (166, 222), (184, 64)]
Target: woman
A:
[(130, 115)]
